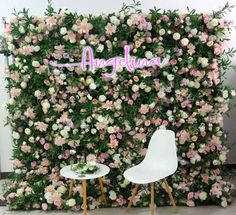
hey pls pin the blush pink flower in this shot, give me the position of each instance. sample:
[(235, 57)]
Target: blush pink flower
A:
[(51, 20), (216, 190), (41, 126), (190, 203), (30, 113), (15, 92), (143, 109), (110, 29), (59, 141), (140, 136), (120, 200), (25, 148), (27, 50), (84, 27), (113, 144)]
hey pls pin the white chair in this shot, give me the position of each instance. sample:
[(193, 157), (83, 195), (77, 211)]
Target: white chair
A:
[(159, 162)]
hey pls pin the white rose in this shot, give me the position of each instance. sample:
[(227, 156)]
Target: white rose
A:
[(75, 28), (129, 22), (203, 61), (54, 127), (20, 191), (184, 41), (110, 130), (216, 162), (162, 31), (100, 48), (194, 31), (71, 202), (82, 42), (56, 72), (37, 93), (170, 77), (23, 85), (224, 204), (62, 77), (15, 135), (176, 36), (92, 86), (89, 80), (196, 85), (45, 105), (11, 47), (135, 88), (63, 30), (147, 89), (222, 158), (148, 54), (161, 94), (233, 93), (214, 22), (35, 63), (203, 196), (27, 39), (102, 98), (61, 189), (21, 29), (223, 34), (27, 131), (51, 90), (112, 195), (93, 131), (36, 48), (114, 20), (225, 94)]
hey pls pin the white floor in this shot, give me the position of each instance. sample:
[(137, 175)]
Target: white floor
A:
[(208, 210), (204, 210)]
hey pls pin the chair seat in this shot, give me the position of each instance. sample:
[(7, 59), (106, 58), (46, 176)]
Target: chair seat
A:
[(141, 174)]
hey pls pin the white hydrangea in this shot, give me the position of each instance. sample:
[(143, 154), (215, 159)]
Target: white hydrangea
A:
[(112, 195)]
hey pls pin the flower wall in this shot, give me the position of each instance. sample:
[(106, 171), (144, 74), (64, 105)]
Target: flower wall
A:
[(63, 115)]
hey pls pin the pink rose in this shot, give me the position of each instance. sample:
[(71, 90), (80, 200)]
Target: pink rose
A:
[(11, 195), (57, 202), (46, 146), (44, 206)]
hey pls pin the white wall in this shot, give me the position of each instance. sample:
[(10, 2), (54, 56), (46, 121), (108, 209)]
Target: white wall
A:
[(98, 6)]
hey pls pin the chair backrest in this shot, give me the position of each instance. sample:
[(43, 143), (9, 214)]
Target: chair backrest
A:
[(162, 150)]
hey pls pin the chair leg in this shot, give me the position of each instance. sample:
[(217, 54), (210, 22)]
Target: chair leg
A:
[(103, 197), (71, 188), (134, 191), (152, 198), (84, 196), (170, 196)]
